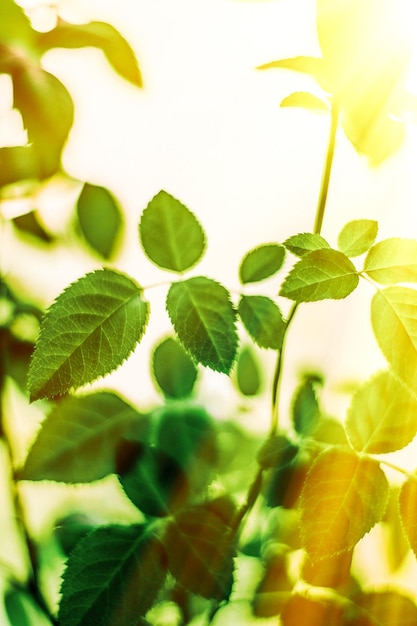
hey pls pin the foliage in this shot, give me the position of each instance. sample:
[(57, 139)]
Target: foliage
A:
[(207, 498)]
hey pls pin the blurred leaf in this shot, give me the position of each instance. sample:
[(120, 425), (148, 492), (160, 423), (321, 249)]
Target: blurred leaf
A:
[(14, 25), (284, 483), (389, 607), (305, 242), (319, 275), (205, 321), (343, 497), (332, 572), (78, 440), (18, 163), (112, 577), (276, 451), (313, 66), (373, 423), (314, 612), (394, 322), (305, 407), (155, 482), (408, 510), (273, 588), (29, 223), (357, 236), (72, 528), (100, 219), (248, 373), (170, 234), (91, 328), (261, 262), (98, 35), (392, 261), (263, 320), (22, 609), (305, 100), (173, 369)]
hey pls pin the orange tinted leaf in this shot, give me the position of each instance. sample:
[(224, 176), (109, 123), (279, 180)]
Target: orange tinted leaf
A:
[(333, 572), (389, 608), (310, 612)]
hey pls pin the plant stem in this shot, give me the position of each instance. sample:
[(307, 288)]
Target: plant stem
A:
[(334, 117)]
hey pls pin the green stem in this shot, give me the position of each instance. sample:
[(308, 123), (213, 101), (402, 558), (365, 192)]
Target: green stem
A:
[(334, 116)]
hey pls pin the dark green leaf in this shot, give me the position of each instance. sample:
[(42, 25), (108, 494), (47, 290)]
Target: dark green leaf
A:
[(98, 35), (320, 275), (283, 484), (305, 408), (277, 451), (173, 369), (305, 242), (112, 578), (263, 320), (170, 234), (261, 262), (23, 610), (91, 328), (69, 530), (248, 373), (357, 237), (100, 219), (30, 224), (205, 321), (79, 439), (305, 100)]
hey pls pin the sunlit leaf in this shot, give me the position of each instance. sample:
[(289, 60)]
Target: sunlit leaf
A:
[(394, 322), (392, 261), (112, 577), (305, 242), (319, 275), (200, 550), (204, 320), (261, 262), (382, 416), (315, 612), (100, 219), (357, 236), (14, 25), (263, 320), (78, 440), (389, 607), (91, 328), (333, 571), (248, 374), (344, 496), (98, 35), (170, 234), (305, 100), (408, 511), (173, 369)]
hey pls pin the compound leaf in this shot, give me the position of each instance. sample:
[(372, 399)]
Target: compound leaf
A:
[(91, 328), (112, 577), (303, 243), (357, 236), (263, 320), (319, 275), (408, 511), (205, 321), (170, 234), (343, 497), (173, 369), (100, 219), (382, 416), (392, 261), (78, 440), (261, 262), (394, 322)]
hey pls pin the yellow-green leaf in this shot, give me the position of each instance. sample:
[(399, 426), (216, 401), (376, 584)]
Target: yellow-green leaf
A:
[(408, 511), (392, 261), (305, 100), (357, 236)]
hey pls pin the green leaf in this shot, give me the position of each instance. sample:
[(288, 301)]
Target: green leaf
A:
[(408, 511), (394, 322), (91, 328), (392, 261), (78, 440), (173, 369), (248, 374), (98, 35), (344, 496), (100, 219), (357, 237), (382, 416), (205, 321), (261, 262), (305, 100), (277, 451), (155, 482), (263, 320), (305, 406), (170, 234), (112, 577), (203, 540), (23, 610), (305, 242), (320, 275)]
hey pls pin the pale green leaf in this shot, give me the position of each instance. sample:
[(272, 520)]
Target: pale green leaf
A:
[(408, 510), (78, 441), (261, 262), (392, 261), (205, 321), (248, 373), (394, 322), (357, 236), (320, 275), (100, 219), (305, 242), (382, 416), (173, 369), (170, 234), (305, 100), (263, 320), (112, 577), (312, 66), (344, 496), (91, 328)]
